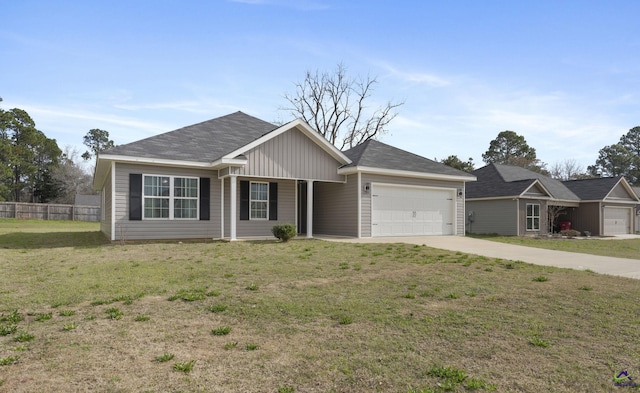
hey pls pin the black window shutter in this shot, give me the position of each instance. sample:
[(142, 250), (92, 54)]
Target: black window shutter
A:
[(244, 199), (205, 191), (135, 196), (273, 201)]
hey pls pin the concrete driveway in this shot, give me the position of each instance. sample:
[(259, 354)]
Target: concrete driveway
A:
[(605, 265)]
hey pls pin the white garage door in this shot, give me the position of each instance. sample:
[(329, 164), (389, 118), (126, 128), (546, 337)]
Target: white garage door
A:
[(411, 211), (617, 220)]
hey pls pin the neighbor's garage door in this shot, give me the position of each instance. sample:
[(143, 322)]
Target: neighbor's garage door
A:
[(411, 211), (617, 220)]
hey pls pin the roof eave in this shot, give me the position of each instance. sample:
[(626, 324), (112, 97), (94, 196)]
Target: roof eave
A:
[(350, 170)]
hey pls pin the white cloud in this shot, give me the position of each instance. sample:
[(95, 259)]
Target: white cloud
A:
[(417, 77)]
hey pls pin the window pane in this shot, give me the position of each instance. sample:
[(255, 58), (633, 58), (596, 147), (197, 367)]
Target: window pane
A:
[(156, 208), (156, 186), (259, 210), (259, 191), (185, 208)]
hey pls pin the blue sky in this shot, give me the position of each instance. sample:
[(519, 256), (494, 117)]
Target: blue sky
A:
[(564, 74)]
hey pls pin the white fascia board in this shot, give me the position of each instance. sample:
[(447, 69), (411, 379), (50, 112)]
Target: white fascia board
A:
[(306, 129), (156, 161), (500, 198), (612, 201), (395, 172)]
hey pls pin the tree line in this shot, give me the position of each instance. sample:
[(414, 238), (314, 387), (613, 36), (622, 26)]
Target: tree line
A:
[(34, 168)]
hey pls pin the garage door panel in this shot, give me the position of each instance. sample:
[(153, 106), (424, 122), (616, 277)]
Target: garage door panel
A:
[(617, 221), (405, 211)]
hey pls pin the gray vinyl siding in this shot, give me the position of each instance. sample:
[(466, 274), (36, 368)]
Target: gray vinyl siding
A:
[(291, 155), (409, 181), (105, 222), (544, 217), (619, 193), (260, 228), (497, 216), (335, 208), (164, 229)]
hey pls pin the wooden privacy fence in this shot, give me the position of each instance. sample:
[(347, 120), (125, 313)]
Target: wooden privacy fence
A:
[(45, 211)]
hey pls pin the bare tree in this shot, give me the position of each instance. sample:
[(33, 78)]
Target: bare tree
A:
[(335, 105), (568, 169)]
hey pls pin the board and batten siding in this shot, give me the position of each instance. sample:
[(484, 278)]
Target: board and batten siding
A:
[(291, 155), (164, 229), (365, 199), (259, 228), (496, 216), (335, 209), (587, 218)]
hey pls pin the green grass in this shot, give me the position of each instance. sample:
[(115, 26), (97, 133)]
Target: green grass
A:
[(418, 319), (623, 248)]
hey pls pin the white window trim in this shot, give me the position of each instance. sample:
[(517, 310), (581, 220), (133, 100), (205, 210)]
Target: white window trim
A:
[(251, 218), (532, 217), (171, 198)]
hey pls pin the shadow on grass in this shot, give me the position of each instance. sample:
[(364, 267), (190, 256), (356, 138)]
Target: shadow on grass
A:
[(36, 240)]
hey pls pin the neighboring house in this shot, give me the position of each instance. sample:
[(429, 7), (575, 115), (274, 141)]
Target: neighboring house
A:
[(236, 176), (510, 200), (87, 200)]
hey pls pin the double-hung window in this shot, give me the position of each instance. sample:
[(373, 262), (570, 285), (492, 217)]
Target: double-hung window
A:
[(533, 217), (170, 197), (259, 201)]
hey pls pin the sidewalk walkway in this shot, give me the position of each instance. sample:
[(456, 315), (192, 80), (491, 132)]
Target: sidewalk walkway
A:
[(605, 265)]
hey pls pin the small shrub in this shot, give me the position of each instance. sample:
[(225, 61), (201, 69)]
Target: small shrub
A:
[(221, 331), (184, 367), (284, 232), (345, 320), (164, 357), (570, 233), (540, 279)]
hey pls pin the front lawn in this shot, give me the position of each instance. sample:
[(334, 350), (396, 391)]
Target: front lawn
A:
[(623, 248), (302, 316)]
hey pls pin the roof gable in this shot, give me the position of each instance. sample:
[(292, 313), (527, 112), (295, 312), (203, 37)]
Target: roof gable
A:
[(373, 154)]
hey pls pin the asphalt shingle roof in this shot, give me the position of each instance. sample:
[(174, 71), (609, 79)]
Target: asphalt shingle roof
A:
[(203, 142), (495, 180), (376, 154), (592, 189)]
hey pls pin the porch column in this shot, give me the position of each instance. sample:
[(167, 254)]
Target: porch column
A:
[(309, 209), (232, 209)]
